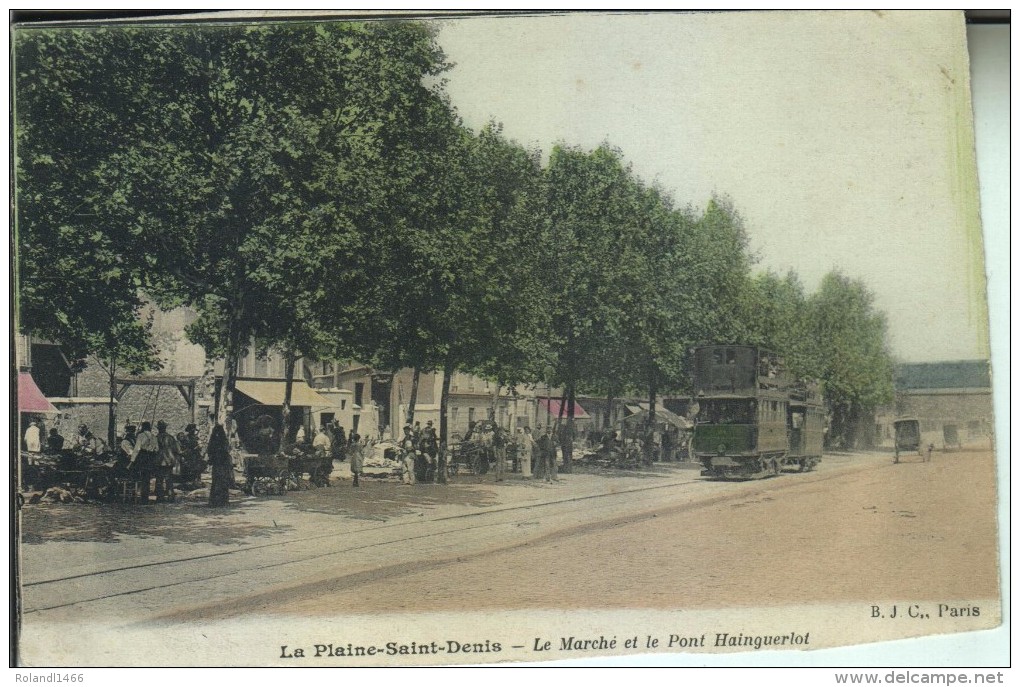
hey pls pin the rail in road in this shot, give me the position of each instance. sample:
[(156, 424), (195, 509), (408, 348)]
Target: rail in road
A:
[(154, 588)]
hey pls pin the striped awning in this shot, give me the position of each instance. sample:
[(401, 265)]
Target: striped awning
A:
[(552, 405), (30, 397), (269, 392)]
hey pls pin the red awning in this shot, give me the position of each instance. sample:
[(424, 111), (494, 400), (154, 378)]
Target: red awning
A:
[(552, 405), (30, 398)]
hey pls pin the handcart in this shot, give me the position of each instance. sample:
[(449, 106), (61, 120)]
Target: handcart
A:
[(267, 474)]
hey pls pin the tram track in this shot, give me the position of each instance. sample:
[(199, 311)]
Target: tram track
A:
[(471, 534)]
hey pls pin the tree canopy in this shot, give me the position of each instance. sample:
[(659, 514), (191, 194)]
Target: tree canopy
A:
[(309, 187)]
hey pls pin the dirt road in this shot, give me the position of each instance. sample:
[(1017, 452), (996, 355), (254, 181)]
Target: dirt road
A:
[(923, 531)]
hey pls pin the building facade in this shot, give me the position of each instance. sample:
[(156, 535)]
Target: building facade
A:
[(952, 402)]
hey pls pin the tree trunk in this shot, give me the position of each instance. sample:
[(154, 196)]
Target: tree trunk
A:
[(444, 404), (650, 426), (495, 401), (225, 408), (414, 397), (568, 442), (111, 422), (288, 433), (609, 412)]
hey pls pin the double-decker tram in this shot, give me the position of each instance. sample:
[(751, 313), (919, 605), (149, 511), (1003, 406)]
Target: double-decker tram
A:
[(752, 420), (806, 426)]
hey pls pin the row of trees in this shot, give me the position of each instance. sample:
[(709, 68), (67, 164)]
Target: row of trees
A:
[(309, 188)]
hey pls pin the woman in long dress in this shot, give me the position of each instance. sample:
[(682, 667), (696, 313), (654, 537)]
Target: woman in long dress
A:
[(222, 469)]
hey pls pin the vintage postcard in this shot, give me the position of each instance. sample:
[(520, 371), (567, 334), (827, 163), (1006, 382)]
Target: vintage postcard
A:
[(467, 339)]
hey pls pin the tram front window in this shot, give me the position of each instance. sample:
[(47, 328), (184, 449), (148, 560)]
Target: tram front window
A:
[(727, 412)]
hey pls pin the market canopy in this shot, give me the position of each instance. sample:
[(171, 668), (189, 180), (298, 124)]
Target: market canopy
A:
[(552, 406), (269, 392), (30, 397), (661, 415)]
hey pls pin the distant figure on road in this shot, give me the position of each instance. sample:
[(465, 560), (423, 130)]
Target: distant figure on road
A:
[(537, 459), (357, 454), (499, 441), (407, 449), (526, 448), (547, 453)]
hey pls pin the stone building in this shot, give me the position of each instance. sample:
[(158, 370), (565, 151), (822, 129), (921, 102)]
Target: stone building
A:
[(952, 402)]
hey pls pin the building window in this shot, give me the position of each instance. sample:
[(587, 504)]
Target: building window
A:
[(453, 415), (343, 403), (359, 392), (471, 415), (261, 367)]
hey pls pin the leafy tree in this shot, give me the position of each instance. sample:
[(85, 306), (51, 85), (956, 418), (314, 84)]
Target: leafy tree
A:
[(210, 150), (512, 312), (778, 318), (590, 204), (76, 279), (855, 363)]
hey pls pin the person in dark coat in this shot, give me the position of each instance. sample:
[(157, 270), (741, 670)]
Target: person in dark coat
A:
[(222, 469), (55, 442), (547, 453), (145, 460), (429, 447)]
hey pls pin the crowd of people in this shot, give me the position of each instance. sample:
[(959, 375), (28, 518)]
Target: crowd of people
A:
[(154, 460), (535, 453), (158, 459)]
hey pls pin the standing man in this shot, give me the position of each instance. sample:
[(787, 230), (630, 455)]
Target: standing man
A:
[(145, 458), (54, 442), (407, 449), (321, 443), (127, 447), (429, 446), (537, 459), (547, 451), (667, 445), (357, 453), (191, 451), (169, 462), (499, 441), (33, 439)]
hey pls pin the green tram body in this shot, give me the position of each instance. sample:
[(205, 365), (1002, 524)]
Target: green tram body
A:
[(752, 420)]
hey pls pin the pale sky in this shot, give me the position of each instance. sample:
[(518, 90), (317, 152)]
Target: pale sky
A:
[(843, 139)]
